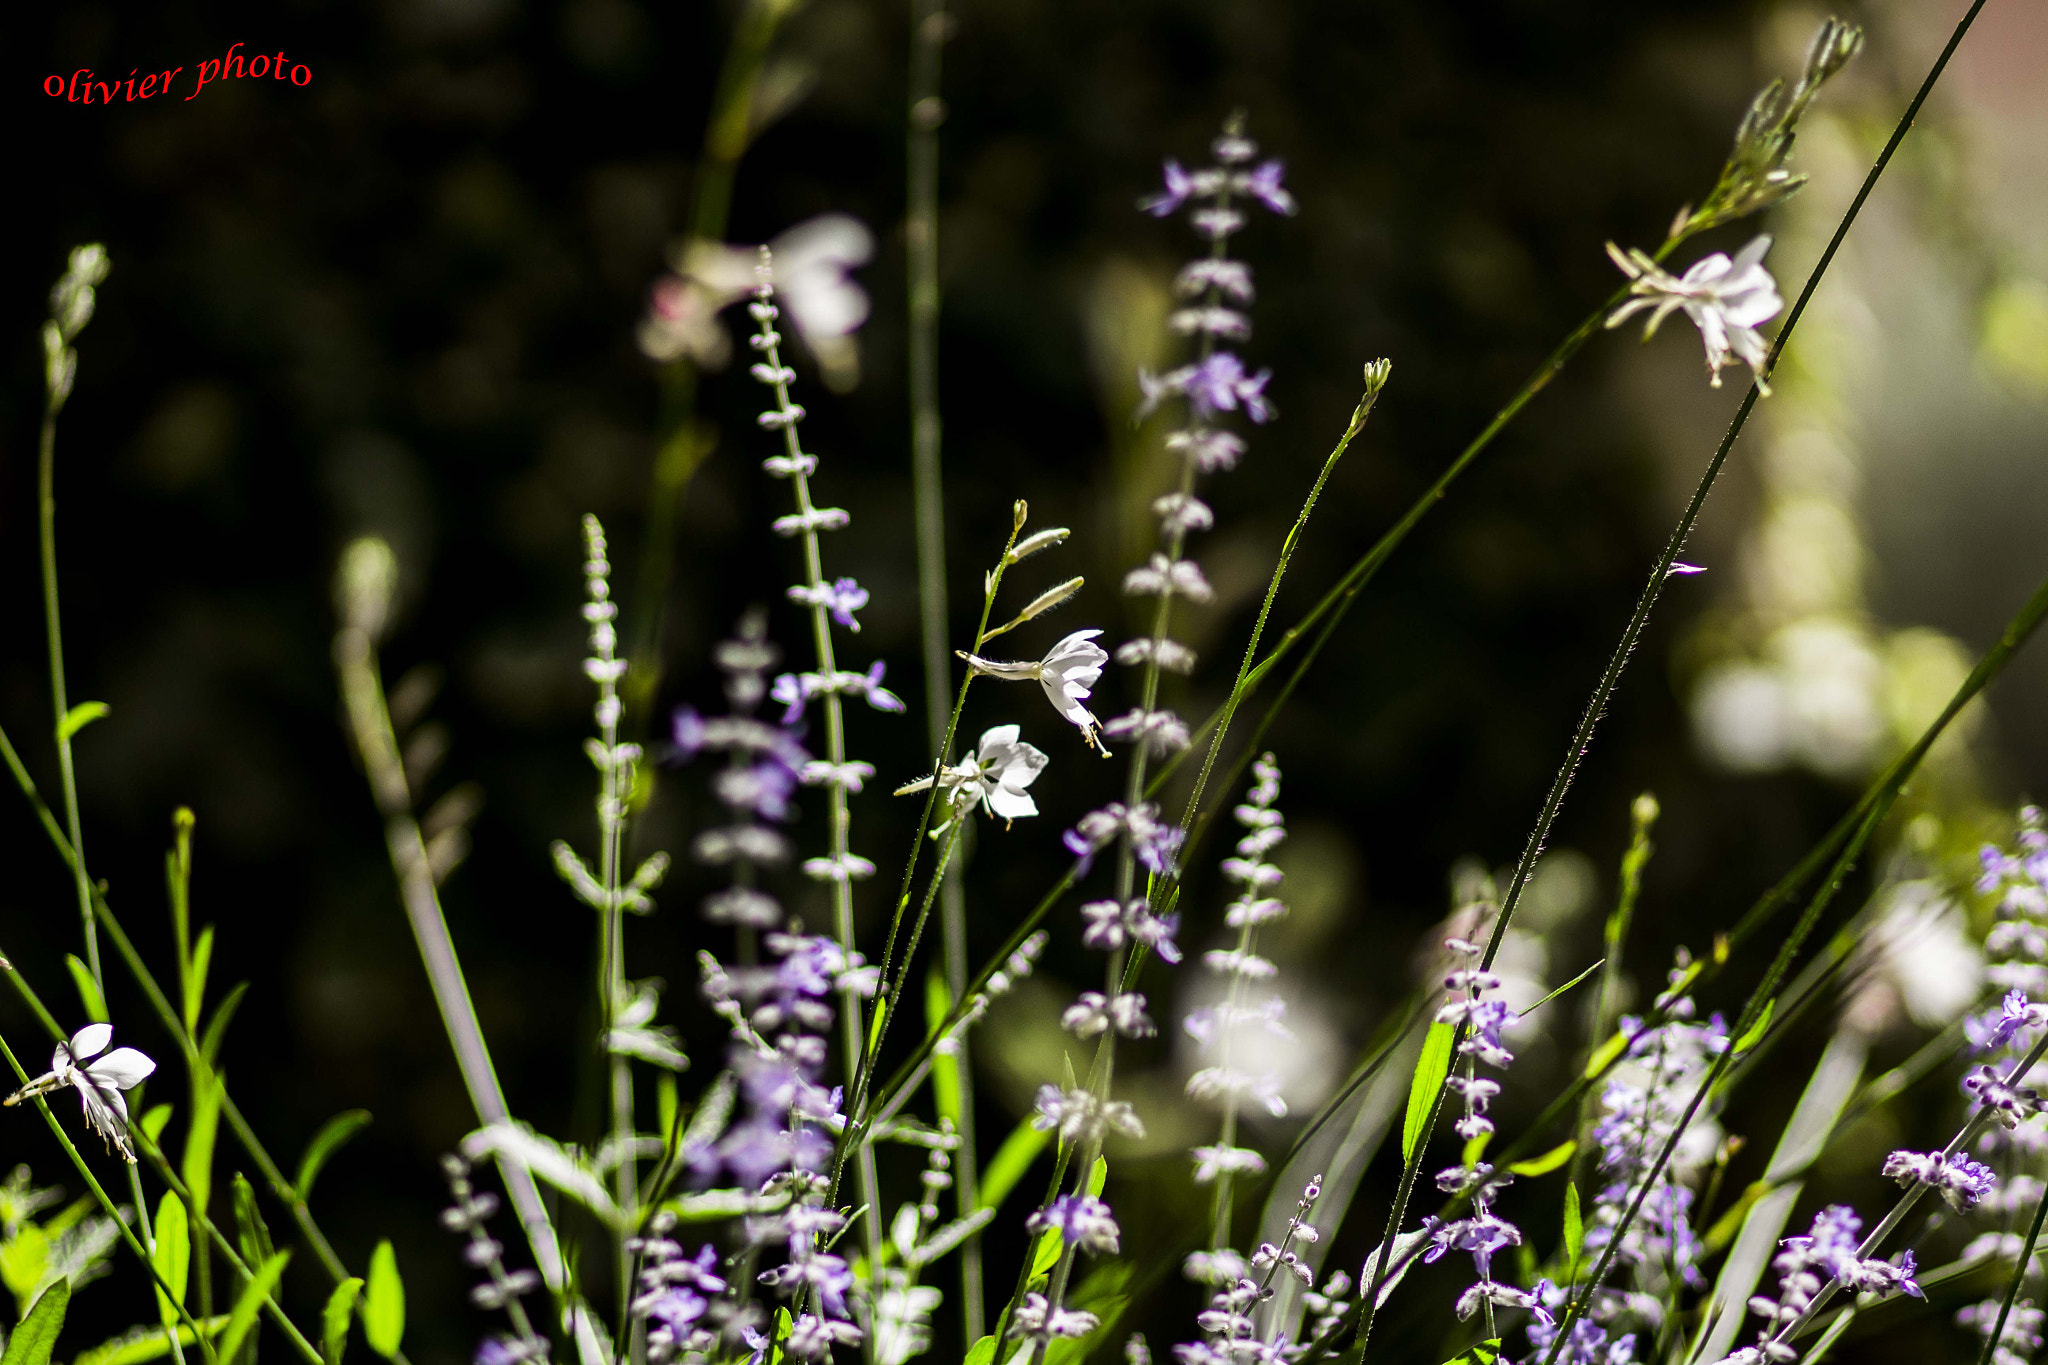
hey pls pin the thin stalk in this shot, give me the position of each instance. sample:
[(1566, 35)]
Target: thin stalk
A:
[(370, 723), (2012, 1288), (1375, 379), (928, 25), (60, 702), (839, 818)]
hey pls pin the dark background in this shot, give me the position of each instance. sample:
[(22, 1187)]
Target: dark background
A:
[(401, 299)]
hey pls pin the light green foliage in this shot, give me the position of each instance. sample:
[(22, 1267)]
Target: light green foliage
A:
[(140, 1344), (172, 1256), (384, 1303), (72, 1244), (88, 989), (32, 1342), (251, 1231), (1430, 1070), (78, 717), (1547, 1162), (1574, 1229), (334, 1320), (242, 1319), (1019, 1150), (1484, 1353), (333, 1133), (938, 1003), (196, 1167)]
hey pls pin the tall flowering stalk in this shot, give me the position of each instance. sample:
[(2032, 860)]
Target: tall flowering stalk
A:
[(1213, 383), (829, 602), (1222, 1029)]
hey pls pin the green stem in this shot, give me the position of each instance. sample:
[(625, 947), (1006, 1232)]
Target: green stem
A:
[(46, 488), (2012, 1288)]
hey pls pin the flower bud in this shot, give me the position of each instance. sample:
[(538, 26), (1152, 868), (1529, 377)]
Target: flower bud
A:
[(1051, 597), (1036, 541), (365, 584)]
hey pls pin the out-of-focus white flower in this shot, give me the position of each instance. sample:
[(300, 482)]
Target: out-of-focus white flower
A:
[(1726, 299), (99, 1077), (1069, 670), (995, 775), (811, 264)]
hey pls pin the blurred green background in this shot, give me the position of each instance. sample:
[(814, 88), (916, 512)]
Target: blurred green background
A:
[(402, 300)]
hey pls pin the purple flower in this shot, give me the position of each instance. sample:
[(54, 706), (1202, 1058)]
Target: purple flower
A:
[(1220, 384), (878, 696), (687, 730), (1179, 185), (2011, 1102), (677, 1309), (1082, 1221), (1988, 1032), (842, 598), (498, 1351), (1263, 185)]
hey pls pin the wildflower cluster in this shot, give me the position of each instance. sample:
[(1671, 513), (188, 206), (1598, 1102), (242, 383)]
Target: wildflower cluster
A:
[(1641, 1108), (1829, 1253), (1241, 1024), (681, 1299), (1476, 1010), (1230, 1327)]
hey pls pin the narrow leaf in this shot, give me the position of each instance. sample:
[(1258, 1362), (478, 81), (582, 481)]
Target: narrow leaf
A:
[(1605, 1054), (384, 1303), (1484, 1353), (138, 1345), (1430, 1070), (78, 717), (1019, 1150), (33, 1341), (1546, 1163), (153, 1121), (1755, 1031), (1565, 987), (341, 1307), (250, 1229), (324, 1145), (172, 1256), (196, 1166), (217, 1027), (566, 1168), (1098, 1176), (1050, 1245), (1574, 1226), (88, 990), (242, 1319), (195, 984), (938, 1003)]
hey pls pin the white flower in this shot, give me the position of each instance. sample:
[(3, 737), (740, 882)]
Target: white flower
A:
[(1067, 673), (1726, 299), (995, 775), (811, 262), (99, 1077)]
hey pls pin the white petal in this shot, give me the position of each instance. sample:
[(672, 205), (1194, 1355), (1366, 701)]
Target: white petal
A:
[(90, 1041), (1753, 254), (1001, 737), (1011, 805), (1024, 767), (123, 1068)]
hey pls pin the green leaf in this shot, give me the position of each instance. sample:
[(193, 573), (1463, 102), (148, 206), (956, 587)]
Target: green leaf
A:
[(1430, 1069), (196, 1166), (1574, 1226), (341, 1306), (1562, 989), (938, 1003), (1546, 1163), (325, 1144), (1755, 1031), (172, 1256), (217, 1027), (1019, 1150), (1484, 1353), (1098, 1176), (78, 717), (250, 1229), (88, 990), (33, 1341), (22, 1259), (1050, 1245), (1105, 1293), (243, 1317), (981, 1353), (153, 1121), (195, 984), (1604, 1055), (140, 1344), (384, 1303)]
